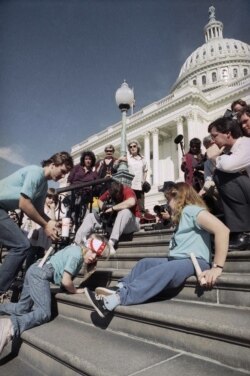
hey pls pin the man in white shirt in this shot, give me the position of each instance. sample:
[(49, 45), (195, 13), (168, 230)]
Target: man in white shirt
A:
[(232, 159)]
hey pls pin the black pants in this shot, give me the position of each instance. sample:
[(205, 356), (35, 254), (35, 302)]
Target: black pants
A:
[(234, 190)]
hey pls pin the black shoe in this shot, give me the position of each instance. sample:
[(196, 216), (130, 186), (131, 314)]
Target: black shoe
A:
[(106, 291), (97, 302), (241, 242)]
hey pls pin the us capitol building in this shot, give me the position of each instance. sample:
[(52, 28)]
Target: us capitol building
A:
[(211, 78)]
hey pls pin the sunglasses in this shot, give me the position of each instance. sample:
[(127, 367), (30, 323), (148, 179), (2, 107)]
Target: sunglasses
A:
[(132, 146)]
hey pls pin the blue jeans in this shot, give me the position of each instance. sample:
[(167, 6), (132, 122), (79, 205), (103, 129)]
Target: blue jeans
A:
[(151, 275), (18, 245), (34, 306), (125, 223)]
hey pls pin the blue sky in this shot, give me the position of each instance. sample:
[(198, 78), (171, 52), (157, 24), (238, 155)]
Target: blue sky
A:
[(61, 62)]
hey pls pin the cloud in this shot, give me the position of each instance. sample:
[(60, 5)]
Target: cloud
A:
[(12, 155)]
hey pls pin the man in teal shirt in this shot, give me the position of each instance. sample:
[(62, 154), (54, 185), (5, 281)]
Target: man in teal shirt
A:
[(26, 189)]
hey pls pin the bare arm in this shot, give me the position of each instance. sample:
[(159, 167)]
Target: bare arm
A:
[(127, 204), (213, 152), (221, 239), (68, 284), (28, 208)]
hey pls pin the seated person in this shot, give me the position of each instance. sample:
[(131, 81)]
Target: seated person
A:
[(231, 177), (163, 212), (244, 120), (151, 275), (127, 215), (193, 165), (61, 268)]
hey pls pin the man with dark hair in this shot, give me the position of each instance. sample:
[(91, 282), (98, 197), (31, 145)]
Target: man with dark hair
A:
[(124, 205), (244, 120), (231, 177), (26, 189)]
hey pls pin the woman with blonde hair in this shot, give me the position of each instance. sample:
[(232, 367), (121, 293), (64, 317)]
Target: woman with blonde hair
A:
[(194, 226), (137, 166)]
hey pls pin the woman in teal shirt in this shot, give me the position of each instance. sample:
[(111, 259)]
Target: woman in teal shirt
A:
[(194, 226)]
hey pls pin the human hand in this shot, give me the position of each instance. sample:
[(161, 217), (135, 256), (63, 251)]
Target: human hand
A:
[(214, 151), (184, 159), (123, 159), (165, 215), (51, 230), (210, 276), (109, 210), (79, 291)]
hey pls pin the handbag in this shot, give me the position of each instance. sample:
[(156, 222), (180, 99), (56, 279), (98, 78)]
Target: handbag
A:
[(146, 187)]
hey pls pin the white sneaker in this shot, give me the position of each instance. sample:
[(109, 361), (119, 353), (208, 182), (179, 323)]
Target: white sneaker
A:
[(112, 250), (106, 291), (6, 332)]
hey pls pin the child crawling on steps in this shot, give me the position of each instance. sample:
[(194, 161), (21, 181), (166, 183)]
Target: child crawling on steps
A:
[(34, 306)]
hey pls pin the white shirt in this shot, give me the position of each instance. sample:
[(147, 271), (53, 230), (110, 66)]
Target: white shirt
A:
[(137, 166), (238, 160)]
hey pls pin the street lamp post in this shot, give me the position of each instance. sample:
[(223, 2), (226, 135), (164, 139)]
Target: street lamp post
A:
[(124, 97)]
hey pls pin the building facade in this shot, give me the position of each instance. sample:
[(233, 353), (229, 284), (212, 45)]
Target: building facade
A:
[(211, 78)]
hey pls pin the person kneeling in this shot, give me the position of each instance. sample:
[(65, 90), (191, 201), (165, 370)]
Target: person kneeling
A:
[(34, 306)]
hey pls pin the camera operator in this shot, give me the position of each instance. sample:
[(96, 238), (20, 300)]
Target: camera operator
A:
[(123, 205), (163, 215), (236, 107), (163, 212)]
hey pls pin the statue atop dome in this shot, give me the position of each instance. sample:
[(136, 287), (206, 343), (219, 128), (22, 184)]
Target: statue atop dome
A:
[(211, 12)]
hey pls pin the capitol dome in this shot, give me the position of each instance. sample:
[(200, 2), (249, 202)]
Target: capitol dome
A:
[(218, 62)]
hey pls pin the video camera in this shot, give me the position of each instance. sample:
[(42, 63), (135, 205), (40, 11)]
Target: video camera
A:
[(230, 114), (158, 209), (107, 219)]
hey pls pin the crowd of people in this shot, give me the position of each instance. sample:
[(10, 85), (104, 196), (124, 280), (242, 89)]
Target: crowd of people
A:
[(214, 201)]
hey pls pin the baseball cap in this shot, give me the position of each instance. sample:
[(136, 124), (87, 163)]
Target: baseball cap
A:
[(167, 185)]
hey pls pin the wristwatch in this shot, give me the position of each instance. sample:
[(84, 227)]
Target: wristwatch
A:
[(217, 266)]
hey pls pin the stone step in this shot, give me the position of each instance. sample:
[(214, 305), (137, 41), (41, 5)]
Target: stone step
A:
[(67, 347), (17, 367), (230, 289), (236, 262), (218, 332)]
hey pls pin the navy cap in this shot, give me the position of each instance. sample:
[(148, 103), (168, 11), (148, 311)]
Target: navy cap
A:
[(167, 185)]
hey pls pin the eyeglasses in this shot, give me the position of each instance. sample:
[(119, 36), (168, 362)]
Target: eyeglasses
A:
[(132, 146), (109, 151)]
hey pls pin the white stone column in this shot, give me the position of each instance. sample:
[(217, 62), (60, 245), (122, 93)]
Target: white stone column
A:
[(155, 133), (147, 154), (195, 126), (180, 130)]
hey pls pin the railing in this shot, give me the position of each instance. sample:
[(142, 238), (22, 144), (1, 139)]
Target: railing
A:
[(79, 200)]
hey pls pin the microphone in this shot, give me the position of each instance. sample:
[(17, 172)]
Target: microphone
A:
[(178, 140)]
